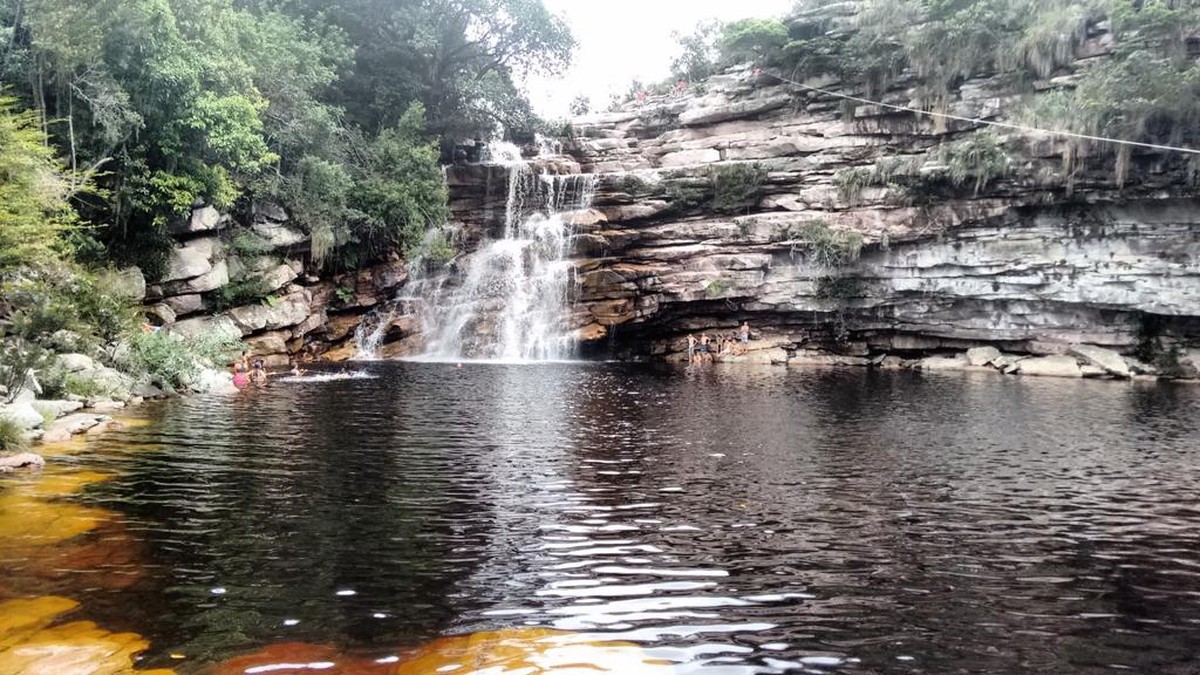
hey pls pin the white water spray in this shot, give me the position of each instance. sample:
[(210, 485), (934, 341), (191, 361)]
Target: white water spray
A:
[(513, 299)]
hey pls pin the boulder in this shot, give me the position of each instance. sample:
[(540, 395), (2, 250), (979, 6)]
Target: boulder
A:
[(191, 260), (29, 391), (146, 390), (21, 461), (1007, 361), (107, 406), (203, 219), (1139, 367), (274, 342), (204, 325), (75, 363), (160, 314), (23, 414), (277, 234), (982, 356), (943, 363), (56, 408), (1050, 366), (215, 278), (290, 310), (183, 305), (128, 283), (77, 423), (1106, 359), (279, 277), (772, 356)]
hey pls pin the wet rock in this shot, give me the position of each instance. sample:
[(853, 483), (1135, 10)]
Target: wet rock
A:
[(1050, 366), (1105, 359), (1139, 367), (775, 356), (146, 390), (77, 423), (107, 406), (24, 460), (982, 356), (57, 408), (943, 363)]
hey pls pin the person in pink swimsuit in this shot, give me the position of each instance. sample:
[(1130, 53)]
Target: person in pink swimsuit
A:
[(240, 379)]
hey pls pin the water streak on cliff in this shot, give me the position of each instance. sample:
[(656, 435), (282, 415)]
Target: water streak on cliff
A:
[(507, 300)]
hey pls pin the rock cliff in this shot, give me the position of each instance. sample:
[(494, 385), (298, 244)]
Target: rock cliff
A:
[(757, 199), (250, 280)]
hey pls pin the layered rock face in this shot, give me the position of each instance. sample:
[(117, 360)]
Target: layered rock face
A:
[(298, 314), (682, 240)]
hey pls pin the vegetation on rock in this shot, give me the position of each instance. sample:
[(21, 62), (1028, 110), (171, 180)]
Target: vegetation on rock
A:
[(737, 187)]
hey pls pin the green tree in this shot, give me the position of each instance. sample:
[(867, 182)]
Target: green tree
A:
[(34, 192)]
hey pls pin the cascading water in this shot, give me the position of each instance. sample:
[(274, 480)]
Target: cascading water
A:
[(511, 304)]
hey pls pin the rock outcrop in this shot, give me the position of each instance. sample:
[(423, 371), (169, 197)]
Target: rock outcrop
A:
[(741, 203)]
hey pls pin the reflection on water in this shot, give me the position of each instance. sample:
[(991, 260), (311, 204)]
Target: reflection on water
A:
[(723, 520)]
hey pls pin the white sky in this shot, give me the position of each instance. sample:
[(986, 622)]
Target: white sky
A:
[(620, 40)]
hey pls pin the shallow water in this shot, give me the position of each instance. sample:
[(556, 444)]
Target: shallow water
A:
[(724, 519)]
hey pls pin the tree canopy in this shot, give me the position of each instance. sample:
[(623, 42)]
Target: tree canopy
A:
[(167, 104)]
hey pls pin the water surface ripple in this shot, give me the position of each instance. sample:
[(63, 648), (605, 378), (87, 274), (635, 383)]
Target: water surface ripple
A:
[(728, 520)]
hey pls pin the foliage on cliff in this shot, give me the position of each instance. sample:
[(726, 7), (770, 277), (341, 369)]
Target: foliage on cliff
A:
[(169, 103), (1146, 88)]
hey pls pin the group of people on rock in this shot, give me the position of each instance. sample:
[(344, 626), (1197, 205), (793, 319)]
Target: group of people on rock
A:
[(705, 349)]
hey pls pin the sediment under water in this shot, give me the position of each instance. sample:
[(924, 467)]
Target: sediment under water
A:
[(719, 519)]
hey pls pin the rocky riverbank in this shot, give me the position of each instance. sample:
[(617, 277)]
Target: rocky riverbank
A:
[(1055, 360)]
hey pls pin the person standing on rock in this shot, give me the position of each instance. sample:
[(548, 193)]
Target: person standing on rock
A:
[(745, 334), (691, 343)]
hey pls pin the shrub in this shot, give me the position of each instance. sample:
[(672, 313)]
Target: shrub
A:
[(851, 183), (85, 387), (238, 293), (20, 358), (736, 187), (12, 436), (684, 197), (175, 362), (826, 247), (248, 244), (977, 160), (716, 287)]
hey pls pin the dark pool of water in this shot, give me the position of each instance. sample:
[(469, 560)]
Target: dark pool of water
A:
[(731, 520)]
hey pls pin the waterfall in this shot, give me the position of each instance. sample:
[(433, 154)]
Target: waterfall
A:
[(370, 333), (511, 301)]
